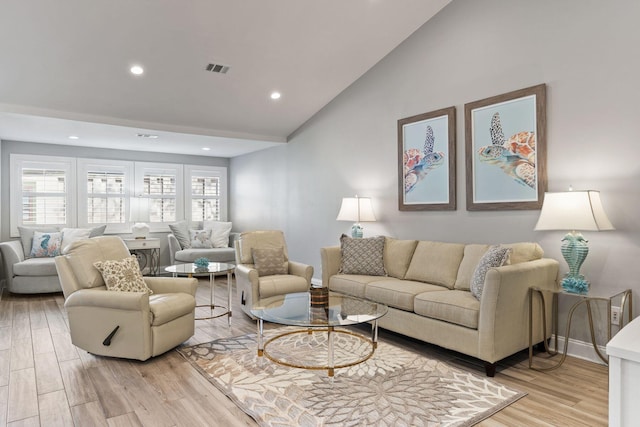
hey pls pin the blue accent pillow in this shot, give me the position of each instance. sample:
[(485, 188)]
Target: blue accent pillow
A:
[(46, 244)]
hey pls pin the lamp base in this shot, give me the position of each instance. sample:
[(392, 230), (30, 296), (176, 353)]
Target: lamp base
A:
[(357, 231), (140, 230), (575, 284)]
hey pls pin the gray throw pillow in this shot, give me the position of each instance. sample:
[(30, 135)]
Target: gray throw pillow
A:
[(181, 230), (269, 261), (362, 256), (496, 256)]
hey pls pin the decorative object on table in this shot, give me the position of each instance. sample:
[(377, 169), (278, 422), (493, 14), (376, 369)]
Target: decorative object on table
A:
[(356, 209), (395, 387), (201, 262), (139, 216), (574, 210), (505, 144), (427, 161)]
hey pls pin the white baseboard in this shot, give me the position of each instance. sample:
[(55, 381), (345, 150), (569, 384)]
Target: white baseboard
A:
[(580, 349)]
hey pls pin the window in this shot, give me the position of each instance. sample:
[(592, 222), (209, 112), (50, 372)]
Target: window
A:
[(42, 193), (159, 195), (205, 189), (104, 194)]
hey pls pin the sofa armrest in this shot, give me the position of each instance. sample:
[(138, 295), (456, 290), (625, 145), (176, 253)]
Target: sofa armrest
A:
[(12, 253), (169, 285), (130, 301), (301, 270), (233, 237), (331, 259), (174, 246), (504, 307)]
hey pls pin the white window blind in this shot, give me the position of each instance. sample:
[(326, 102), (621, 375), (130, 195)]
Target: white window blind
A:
[(206, 192), (159, 194), (106, 198)]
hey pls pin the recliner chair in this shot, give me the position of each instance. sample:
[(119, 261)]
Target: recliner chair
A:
[(132, 325), (251, 285)]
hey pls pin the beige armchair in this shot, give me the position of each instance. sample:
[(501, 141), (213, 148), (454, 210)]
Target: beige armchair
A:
[(132, 325), (255, 281)]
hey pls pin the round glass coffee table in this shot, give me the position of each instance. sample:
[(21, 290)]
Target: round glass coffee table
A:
[(190, 270), (318, 311)]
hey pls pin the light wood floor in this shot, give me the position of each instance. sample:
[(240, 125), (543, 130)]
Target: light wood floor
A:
[(45, 380)]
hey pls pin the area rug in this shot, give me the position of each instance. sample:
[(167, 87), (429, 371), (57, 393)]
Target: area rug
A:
[(395, 387)]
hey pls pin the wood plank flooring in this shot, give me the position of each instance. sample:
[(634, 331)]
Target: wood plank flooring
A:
[(45, 380)]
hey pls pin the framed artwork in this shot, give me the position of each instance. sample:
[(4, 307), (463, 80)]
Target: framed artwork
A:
[(427, 161), (505, 144)]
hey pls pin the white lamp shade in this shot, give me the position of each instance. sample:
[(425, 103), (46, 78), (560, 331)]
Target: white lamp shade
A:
[(573, 210), (356, 209)]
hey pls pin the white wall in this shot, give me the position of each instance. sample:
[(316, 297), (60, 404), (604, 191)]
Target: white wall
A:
[(586, 53)]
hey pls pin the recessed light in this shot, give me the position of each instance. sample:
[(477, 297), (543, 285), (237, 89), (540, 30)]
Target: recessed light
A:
[(275, 95), (206, 148), (136, 70), (73, 137), (147, 136)]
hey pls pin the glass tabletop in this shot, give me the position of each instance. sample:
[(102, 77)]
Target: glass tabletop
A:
[(190, 268), (316, 308)]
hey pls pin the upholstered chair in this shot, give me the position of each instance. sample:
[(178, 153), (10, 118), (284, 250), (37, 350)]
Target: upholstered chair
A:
[(263, 268), (132, 325)]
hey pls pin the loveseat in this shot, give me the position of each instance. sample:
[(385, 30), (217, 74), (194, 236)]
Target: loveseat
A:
[(186, 242), (426, 286)]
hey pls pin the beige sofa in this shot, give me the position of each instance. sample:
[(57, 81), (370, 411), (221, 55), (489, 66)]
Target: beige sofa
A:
[(427, 291)]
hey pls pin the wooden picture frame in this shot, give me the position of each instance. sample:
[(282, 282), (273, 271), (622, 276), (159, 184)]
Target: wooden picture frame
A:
[(505, 150), (427, 161)]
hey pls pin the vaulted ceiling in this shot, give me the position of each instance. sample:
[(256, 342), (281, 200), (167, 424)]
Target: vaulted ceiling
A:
[(65, 68)]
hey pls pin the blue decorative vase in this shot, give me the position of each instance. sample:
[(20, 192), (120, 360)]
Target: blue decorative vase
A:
[(575, 251), (356, 231)]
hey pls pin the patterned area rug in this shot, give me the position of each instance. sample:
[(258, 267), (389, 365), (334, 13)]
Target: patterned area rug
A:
[(395, 387)]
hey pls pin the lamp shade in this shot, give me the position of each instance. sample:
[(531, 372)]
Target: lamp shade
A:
[(356, 209), (573, 210)]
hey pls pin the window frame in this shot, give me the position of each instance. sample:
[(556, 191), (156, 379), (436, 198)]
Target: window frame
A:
[(18, 162), (208, 171), (141, 169)]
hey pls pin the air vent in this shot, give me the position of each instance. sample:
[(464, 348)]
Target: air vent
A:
[(218, 68)]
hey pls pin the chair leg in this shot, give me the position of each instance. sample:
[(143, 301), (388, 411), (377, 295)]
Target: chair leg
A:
[(490, 369)]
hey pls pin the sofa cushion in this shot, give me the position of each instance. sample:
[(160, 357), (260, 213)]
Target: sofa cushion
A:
[(436, 263), (470, 260), (397, 293), (220, 232), (397, 256), (46, 244), (180, 230), (213, 255), (36, 267), (167, 307), (352, 284), (70, 235), (523, 252), (458, 307), (496, 256), (200, 239), (269, 261), (362, 256), (282, 284), (122, 275)]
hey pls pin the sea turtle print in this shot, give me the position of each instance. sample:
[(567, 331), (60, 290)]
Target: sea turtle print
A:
[(418, 163), (515, 156)]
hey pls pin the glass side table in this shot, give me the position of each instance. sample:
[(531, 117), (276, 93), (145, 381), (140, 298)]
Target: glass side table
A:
[(626, 308)]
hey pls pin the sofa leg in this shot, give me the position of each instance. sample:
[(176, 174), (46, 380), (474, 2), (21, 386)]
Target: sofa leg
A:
[(490, 369)]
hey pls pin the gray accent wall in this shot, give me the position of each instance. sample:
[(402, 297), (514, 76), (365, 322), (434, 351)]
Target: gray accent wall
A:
[(586, 53)]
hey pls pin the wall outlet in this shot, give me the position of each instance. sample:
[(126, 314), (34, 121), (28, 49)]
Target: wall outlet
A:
[(615, 316)]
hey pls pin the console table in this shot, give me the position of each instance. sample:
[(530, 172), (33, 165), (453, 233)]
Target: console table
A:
[(626, 308), (147, 251)]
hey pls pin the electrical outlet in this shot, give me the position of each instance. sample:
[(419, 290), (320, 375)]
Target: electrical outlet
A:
[(615, 316)]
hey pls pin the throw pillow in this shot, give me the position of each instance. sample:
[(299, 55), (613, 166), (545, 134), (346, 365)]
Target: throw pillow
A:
[(122, 275), (200, 239), (181, 231), (496, 256), (70, 235), (45, 244), (362, 256), (220, 232), (269, 261), (26, 237)]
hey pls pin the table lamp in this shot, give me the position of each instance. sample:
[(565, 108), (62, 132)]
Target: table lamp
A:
[(356, 209), (139, 216), (573, 210)]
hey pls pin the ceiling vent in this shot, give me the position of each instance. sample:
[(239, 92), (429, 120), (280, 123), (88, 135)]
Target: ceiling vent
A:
[(218, 68)]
